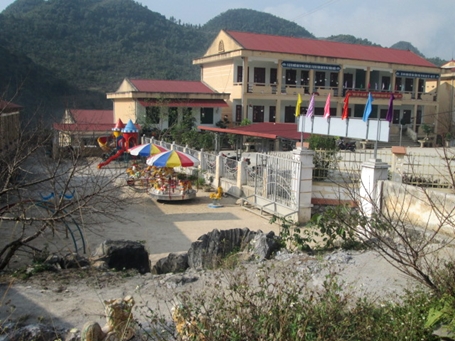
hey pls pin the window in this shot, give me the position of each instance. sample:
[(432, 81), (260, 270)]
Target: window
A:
[(320, 79), (304, 77), (152, 115), (173, 116), (291, 77), (238, 113), (273, 76), (258, 113), (239, 74), (408, 84), (272, 113), (333, 79), (386, 83), (259, 75), (206, 115)]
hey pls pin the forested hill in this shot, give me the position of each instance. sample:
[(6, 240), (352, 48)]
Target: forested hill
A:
[(248, 20), (89, 46)]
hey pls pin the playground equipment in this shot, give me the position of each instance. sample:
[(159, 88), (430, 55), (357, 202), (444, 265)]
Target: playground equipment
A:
[(46, 204), (125, 137), (167, 184)]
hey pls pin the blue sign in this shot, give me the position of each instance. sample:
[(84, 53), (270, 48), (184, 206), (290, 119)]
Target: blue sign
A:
[(311, 66), (412, 74)]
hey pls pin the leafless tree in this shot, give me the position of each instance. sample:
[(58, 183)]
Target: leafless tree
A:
[(419, 244), (42, 198)]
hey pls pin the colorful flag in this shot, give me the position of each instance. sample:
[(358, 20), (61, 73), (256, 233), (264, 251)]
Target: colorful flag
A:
[(310, 111), (367, 111), (297, 106), (327, 107), (390, 110), (346, 107)]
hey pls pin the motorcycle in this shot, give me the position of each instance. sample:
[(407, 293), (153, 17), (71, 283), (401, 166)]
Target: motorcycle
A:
[(342, 145)]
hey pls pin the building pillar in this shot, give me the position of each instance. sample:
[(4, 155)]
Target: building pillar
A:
[(311, 88), (302, 183), (373, 171), (367, 79)]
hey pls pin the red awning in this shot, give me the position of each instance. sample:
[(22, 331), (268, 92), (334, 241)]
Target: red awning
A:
[(267, 130), (189, 103)]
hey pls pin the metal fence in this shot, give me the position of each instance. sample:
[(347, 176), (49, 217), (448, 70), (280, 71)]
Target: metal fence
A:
[(272, 176)]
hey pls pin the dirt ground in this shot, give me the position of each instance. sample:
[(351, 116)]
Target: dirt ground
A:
[(68, 298)]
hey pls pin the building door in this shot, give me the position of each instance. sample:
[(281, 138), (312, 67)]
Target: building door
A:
[(272, 113), (258, 113), (289, 114), (259, 75)]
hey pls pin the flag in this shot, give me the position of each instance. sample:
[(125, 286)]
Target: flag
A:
[(390, 110), (310, 111), (346, 107), (367, 111), (297, 106), (327, 107)]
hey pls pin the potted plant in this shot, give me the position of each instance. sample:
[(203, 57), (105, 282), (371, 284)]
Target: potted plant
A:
[(449, 139)]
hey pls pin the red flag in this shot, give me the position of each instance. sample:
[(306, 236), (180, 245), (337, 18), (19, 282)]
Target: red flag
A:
[(327, 107), (345, 107)]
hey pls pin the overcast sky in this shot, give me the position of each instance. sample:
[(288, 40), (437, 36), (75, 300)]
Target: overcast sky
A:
[(428, 25)]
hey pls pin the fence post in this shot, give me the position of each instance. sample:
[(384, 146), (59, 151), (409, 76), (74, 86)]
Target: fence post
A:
[(398, 154), (373, 171), (302, 183), (218, 170)]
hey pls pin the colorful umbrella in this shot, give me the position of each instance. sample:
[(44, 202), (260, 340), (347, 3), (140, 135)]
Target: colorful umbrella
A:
[(147, 149), (172, 158)]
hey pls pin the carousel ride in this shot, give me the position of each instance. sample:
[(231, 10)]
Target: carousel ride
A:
[(157, 176)]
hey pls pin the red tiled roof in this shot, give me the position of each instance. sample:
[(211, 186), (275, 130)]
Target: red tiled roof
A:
[(82, 116), (83, 127), (88, 120), (7, 107), (324, 48), (170, 86), (266, 130), (199, 103)]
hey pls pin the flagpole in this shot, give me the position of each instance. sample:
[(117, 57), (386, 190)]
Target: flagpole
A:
[(377, 138)]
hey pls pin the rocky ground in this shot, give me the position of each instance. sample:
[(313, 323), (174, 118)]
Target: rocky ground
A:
[(66, 299)]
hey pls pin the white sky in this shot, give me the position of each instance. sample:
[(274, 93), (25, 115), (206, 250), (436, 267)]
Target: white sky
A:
[(428, 25)]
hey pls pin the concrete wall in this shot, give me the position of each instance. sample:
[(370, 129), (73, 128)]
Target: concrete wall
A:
[(421, 207)]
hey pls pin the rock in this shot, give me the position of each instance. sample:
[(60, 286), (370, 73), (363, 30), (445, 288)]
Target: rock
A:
[(36, 332), (172, 263), (211, 248), (122, 254), (263, 245), (74, 261)]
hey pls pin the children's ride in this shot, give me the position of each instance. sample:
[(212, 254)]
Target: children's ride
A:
[(125, 137), (167, 184)]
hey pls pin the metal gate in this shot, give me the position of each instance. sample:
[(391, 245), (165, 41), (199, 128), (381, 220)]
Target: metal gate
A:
[(276, 183)]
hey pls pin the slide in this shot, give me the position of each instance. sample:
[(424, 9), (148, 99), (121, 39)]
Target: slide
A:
[(113, 157), (103, 143)]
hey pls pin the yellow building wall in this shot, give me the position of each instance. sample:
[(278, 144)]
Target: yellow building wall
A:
[(222, 43), (125, 109)]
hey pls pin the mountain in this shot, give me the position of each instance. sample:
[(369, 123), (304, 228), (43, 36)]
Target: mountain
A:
[(71, 52), (41, 94), (349, 39), (94, 44), (248, 20)]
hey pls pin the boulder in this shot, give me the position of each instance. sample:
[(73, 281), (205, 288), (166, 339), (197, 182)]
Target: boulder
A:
[(210, 248), (262, 246), (172, 263), (122, 254), (38, 332)]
